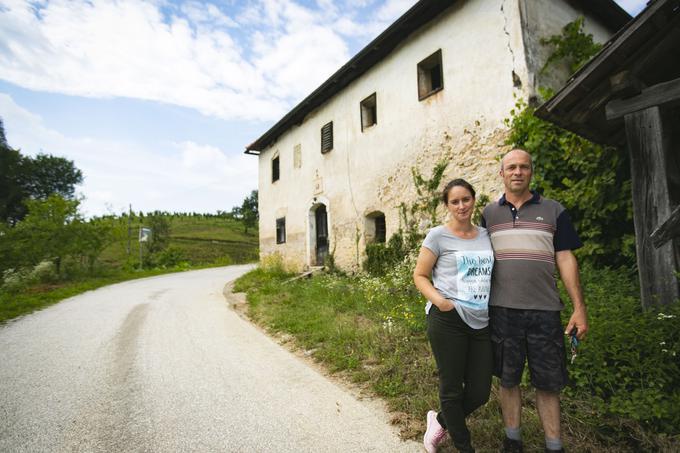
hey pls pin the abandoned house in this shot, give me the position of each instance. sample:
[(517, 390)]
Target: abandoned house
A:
[(439, 82)]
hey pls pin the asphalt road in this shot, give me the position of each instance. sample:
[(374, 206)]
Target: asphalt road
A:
[(164, 365)]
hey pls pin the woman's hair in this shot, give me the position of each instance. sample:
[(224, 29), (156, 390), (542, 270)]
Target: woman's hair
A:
[(453, 183)]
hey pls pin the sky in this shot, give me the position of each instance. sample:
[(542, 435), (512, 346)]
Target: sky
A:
[(156, 100)]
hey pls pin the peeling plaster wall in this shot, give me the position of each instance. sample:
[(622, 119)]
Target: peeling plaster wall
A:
[(484, 69), (545, 18)]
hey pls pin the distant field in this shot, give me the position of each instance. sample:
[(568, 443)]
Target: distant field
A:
[(201, 241)]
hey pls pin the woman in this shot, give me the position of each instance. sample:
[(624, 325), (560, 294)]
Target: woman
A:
[(459, 257)]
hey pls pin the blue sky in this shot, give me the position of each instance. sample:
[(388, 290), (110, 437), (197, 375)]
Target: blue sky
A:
[(155, 100)]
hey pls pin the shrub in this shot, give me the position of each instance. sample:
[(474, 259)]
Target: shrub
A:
[(14, 280), (382, 257), (274, 264), (628, 367), (169, 257), (44, 272)]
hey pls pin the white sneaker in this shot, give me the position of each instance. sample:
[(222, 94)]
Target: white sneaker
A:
[(434, 434)]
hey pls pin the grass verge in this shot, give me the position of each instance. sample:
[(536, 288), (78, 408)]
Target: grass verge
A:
[(351, 334), (43, 295)]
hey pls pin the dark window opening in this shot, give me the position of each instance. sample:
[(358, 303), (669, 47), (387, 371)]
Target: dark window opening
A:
[(281, 230), (327, 137), (369, 112), (430, 75), (380, 229), (275, 169), (375, 230)]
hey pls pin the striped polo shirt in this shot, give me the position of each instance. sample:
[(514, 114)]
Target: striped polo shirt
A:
[(525, 241)]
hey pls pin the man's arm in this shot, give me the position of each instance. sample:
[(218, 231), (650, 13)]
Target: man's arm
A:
[(568, 267)]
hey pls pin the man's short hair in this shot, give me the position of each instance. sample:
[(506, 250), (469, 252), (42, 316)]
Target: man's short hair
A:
[(531, 159)]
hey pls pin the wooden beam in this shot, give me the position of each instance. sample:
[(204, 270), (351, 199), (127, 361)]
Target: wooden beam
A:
[(660, 94), (668, 230), (625, 84), (649, 144)]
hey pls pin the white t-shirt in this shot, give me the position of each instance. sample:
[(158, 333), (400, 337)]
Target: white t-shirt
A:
[(462, 272)]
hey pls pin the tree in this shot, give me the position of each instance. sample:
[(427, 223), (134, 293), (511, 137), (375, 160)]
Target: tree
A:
[(12, 194), (47, 233), (46, 175), (92, 237), (248, 211), (25, 178), (160, 232), (3, 138)]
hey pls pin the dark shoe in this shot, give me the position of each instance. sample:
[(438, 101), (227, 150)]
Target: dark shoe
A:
[(561, 450), (512, 446)]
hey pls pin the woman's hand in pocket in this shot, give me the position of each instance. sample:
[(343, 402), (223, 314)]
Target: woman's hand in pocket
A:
[(446, 305)]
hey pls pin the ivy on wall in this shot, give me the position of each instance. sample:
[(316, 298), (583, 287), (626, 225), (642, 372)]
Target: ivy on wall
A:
[(590, 180)]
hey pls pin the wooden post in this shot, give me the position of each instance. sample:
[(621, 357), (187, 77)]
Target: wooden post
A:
[(648, 144)]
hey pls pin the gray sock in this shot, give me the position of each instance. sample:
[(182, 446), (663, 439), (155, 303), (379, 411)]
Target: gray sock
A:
[(553, 444), (513, 433)]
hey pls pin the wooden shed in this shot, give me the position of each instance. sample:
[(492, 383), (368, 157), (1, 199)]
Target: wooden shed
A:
[(628, 96)]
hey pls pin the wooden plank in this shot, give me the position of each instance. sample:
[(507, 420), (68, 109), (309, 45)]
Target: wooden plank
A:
[(660, 94), (668, 230), (648, 144), (308, 273)]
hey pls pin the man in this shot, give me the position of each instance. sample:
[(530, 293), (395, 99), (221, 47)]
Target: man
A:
[(530, 236)]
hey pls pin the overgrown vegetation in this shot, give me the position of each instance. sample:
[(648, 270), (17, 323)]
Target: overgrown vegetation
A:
[(590, 180), (626, 379), (625, 392), (425, 211)]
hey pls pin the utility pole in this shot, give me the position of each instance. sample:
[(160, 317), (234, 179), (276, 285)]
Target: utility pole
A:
[(129, 246)]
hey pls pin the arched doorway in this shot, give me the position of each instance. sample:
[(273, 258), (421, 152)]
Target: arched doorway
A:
[(320, 239), (319, 219)]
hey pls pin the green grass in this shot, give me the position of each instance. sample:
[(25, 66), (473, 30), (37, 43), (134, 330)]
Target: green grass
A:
[(41, 296), (202, 240), (331, 318)]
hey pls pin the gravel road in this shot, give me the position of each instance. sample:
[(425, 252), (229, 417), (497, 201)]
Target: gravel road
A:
[(164, 365)]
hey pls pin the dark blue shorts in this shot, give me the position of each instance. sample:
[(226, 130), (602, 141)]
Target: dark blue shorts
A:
[(536, 336)]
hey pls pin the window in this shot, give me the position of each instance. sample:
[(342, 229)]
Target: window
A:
[(327, 137), (281, 230), (380, 230), (297, 156), (369, 112), (430, 75), (275, 169), (375, 229)]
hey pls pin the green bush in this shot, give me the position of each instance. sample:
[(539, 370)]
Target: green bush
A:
[(169, 257), (380, 257), (590, 180), (628, 366)]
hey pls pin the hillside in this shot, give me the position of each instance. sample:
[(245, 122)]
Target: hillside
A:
[(198, 240)]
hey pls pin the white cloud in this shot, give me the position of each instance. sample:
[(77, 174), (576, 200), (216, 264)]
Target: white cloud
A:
[(185, 176), (254, 65)]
